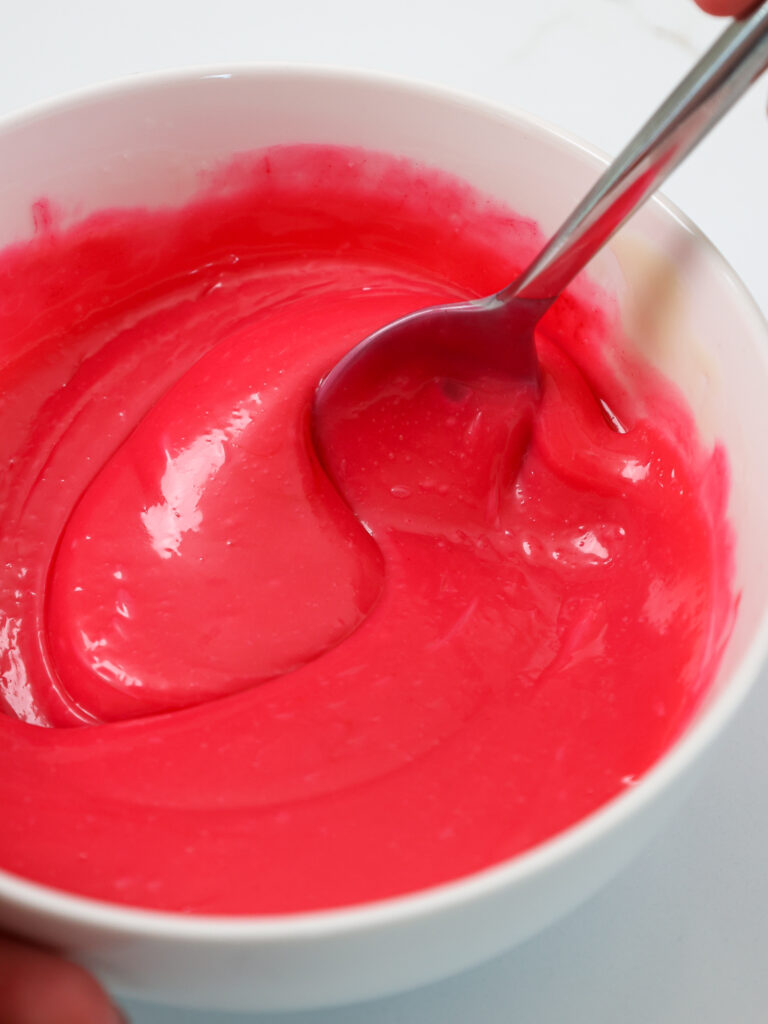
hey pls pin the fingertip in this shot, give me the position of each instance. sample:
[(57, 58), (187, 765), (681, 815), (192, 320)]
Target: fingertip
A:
[(39, 986), (734, 8)]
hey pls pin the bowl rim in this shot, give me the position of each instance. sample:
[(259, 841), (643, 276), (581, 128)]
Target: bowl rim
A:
[(128, 920)]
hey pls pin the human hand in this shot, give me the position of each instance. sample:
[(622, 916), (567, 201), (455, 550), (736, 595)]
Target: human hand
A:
[(731, 7), (39, 987)]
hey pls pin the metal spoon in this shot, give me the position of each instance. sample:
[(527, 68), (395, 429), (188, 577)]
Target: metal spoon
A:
[(496, 333)]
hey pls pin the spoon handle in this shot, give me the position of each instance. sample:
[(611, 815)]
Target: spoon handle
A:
[(728, 68)]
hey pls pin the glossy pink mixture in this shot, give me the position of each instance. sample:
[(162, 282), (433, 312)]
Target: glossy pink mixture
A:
[(222, 691)]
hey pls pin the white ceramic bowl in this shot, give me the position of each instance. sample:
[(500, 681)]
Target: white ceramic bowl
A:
[(145, 142)]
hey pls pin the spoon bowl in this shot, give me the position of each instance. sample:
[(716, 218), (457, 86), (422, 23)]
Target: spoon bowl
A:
[(481, 345)]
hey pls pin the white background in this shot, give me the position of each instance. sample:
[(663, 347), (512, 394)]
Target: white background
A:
[(682, 936)]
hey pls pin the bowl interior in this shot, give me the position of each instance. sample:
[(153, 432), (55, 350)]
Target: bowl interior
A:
[(154, 142)]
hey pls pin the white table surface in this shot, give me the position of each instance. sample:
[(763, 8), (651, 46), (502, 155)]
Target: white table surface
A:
[(682, 936)]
